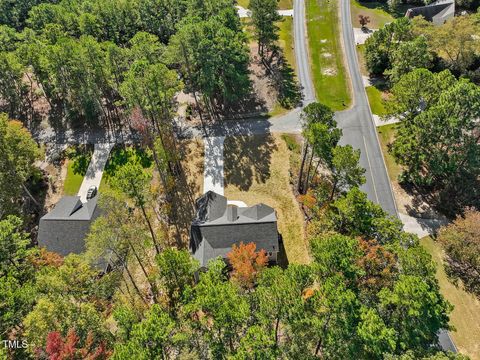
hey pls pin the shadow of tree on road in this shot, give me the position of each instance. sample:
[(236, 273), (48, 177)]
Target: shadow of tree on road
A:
[(248, 158)]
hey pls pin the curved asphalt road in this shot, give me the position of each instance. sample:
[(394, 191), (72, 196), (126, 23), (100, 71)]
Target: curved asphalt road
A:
[(359, 131), (358, 125)]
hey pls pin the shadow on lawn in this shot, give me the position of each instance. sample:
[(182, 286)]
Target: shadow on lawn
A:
[(284, 81), (397, 12), (247, 159)]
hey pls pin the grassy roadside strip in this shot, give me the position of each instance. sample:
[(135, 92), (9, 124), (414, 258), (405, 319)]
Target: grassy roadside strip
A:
[(326, 54), (286, 43), (375, 100), (465, 316), (374, 10), (386, 134)]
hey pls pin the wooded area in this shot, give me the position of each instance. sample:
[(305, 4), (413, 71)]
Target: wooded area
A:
[(369, 291)]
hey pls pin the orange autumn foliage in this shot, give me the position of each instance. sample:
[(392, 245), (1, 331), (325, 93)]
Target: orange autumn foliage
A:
[(246, 263), (379, 265), (308, 293), (46, 258)]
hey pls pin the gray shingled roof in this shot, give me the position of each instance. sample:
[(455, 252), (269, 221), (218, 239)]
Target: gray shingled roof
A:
[(437, 12), (219, 226), (63, 230)]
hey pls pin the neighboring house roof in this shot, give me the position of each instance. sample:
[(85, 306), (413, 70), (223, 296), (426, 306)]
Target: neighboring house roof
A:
[(63, 230), (437, 12), (219, 226)]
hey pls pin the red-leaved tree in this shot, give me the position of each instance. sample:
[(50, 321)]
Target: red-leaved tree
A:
[(59, 348), (363, 20), (246, 263)]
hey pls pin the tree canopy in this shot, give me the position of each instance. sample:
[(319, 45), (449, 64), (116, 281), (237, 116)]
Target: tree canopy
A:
[(437, 141), (19, 153)]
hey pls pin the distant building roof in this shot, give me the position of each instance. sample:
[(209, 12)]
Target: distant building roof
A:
[(63, 230), (218, 226), (437, 12)]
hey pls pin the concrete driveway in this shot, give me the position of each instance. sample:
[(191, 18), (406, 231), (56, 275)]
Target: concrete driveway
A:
[(245, 13), (95, 169), (213, 174)]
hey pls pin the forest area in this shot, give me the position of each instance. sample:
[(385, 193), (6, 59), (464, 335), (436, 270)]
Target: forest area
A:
[(369, 291)]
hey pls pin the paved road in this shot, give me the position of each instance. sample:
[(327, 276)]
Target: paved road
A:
[(95, 169), (301, 52), (358, 125), (360, 132)]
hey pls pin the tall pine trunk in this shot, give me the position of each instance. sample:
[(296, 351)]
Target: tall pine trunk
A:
[(300, 175)]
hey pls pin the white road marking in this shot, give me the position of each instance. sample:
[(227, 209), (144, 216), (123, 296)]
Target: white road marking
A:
[(370, 166)]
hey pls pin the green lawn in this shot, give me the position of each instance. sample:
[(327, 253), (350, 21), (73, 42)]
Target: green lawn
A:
[(73, 181), (375, 100), (361, 59), (286, 40), (376, 11), (466, 314), (386, 134), (326, 55), (287, 98), (119, 157)]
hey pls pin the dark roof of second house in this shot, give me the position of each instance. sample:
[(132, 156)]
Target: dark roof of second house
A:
[(63, 230), (218, 226), (212, 209), (437, 12)]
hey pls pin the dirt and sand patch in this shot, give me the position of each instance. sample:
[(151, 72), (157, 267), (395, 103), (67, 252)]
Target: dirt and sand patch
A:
[(257, 169), (329, 72)]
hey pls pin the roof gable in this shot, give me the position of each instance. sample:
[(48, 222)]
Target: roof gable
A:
[(211, 206), (219, 226), (63, 230)]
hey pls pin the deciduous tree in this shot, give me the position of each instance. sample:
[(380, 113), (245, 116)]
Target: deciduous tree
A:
[(381, 45), (363, 20), (247, 263), (149, 339), (408, 56), (133, 181), (176, 270), (19, 153), (461, 241), (438, 144), (346, 171)]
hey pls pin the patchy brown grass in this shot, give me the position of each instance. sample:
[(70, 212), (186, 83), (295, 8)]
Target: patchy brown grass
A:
[(257, 170), (465, 316), (193, 164)]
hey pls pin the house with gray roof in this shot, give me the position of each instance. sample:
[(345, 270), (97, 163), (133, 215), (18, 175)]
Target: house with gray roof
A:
[(218, 226), (64, 229), (437, 12)]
